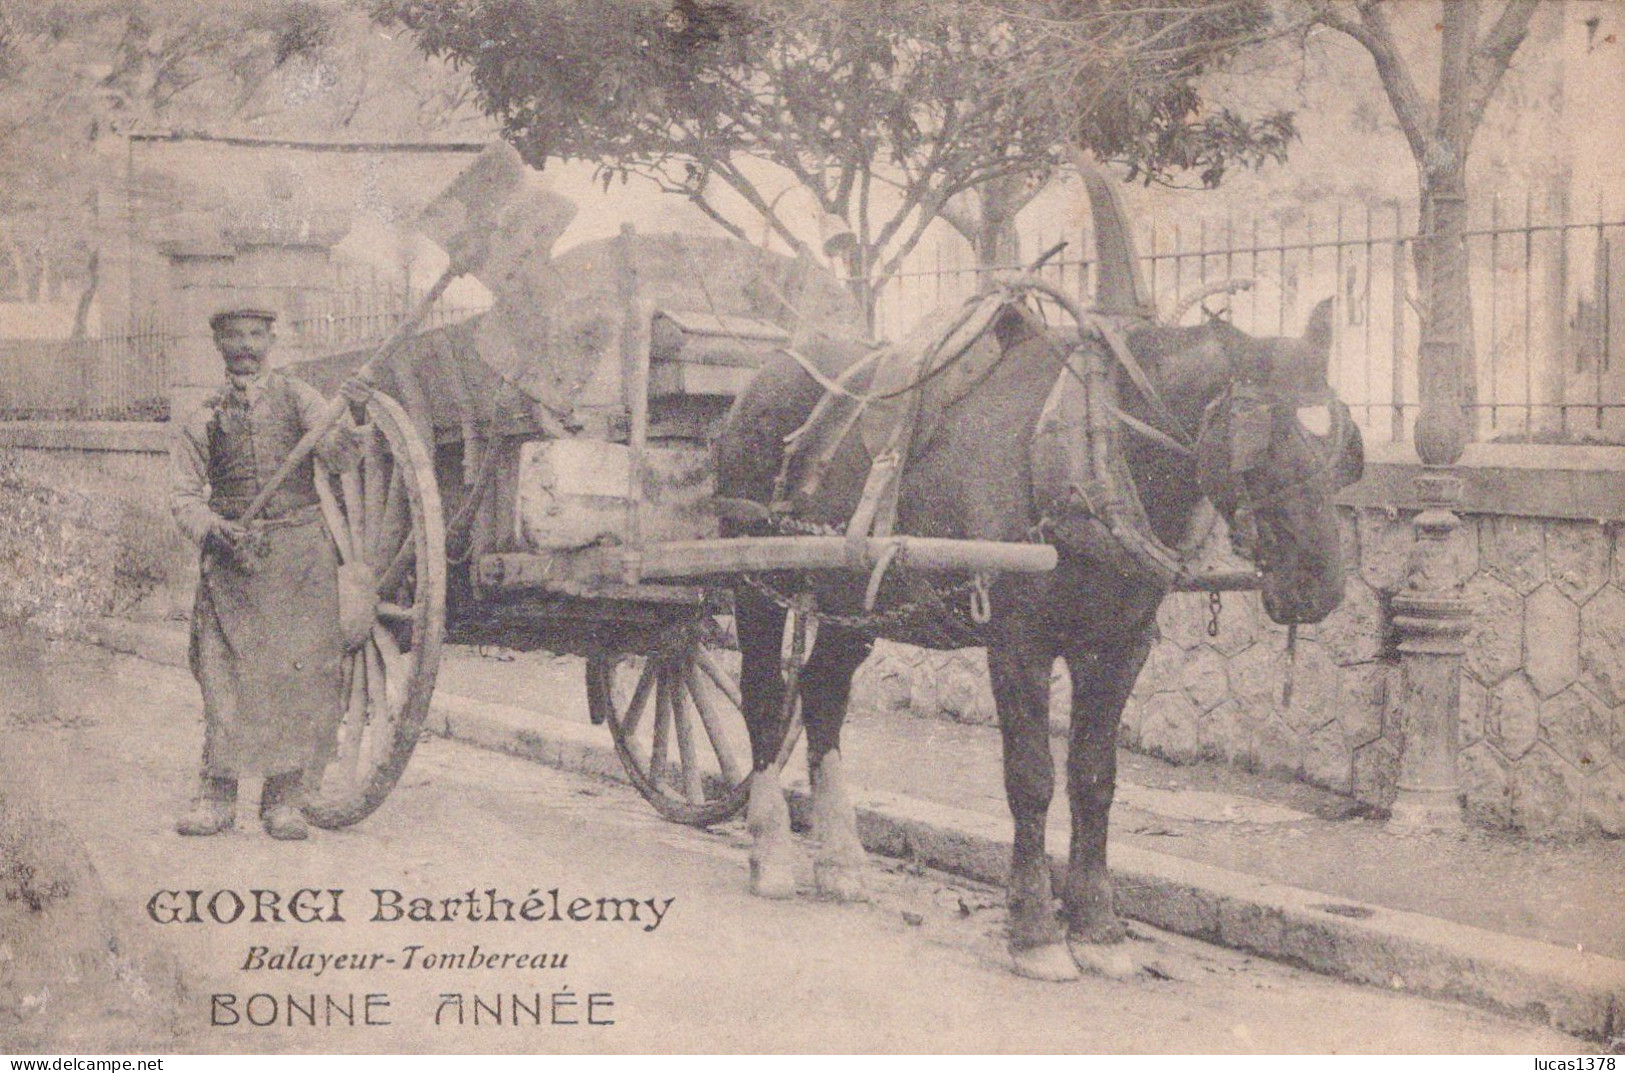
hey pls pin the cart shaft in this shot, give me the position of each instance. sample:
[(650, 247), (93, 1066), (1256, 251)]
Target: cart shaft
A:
[(680, 559)]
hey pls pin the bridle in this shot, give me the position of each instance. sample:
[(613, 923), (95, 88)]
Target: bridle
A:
[(1248, 412), (1246, 407)]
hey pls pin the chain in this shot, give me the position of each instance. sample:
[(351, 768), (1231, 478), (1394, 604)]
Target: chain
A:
[(935, 604), (1215, 604), (786, 524), (874, 621)]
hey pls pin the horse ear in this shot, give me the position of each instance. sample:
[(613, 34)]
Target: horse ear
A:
[(1119, 284), (1317, 332), (1301, 367)]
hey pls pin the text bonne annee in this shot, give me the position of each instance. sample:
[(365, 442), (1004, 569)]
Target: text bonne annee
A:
[(560, 1008)]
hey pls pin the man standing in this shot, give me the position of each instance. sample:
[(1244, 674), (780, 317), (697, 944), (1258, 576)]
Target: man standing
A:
[(266, 645)]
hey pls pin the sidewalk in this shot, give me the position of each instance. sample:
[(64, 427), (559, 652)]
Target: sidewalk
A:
[(1263, 864)]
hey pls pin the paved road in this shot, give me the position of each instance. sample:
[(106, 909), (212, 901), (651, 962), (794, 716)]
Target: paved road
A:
[(920, 968)]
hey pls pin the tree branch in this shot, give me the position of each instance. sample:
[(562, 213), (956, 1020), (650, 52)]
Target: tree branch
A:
[(747, 190), (1492, 58), (1409, 106), (1458, 32), (1374, 33)]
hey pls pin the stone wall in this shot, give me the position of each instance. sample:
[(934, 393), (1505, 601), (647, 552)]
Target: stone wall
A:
[(1542, 725)]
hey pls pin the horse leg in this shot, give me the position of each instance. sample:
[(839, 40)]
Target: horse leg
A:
[(760, 625), (826, 686), (1101, 683), (1020, 677)]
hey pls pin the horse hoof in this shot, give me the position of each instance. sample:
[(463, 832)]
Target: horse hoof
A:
[(770, 879), (1111, 960), (1048, 962), (840, 882)]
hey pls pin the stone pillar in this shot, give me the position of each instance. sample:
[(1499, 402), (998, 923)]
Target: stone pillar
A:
[(284, 268), (1431, 618), (200, 274)]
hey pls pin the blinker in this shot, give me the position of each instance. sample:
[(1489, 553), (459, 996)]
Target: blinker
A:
[(1250, 423)]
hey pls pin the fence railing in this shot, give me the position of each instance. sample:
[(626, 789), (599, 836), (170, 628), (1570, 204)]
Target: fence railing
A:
[(1548, 318), (126, 377), (1548, 308), (363, 307), (113, 378)]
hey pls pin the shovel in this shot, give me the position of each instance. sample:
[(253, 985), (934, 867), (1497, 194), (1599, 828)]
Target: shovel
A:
[(462, 220)]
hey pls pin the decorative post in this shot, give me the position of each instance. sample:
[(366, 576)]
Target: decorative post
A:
[(1430, 614), (1431, 618)]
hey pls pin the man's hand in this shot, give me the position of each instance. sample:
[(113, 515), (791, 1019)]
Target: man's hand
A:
[(357, 389), (226, 539), (226, 532)]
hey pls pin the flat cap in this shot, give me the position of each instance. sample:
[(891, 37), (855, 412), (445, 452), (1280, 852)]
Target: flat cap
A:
[(217, 319)]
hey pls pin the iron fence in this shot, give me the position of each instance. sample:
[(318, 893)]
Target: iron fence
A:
[(1548, 307), (113, 378), (362, 306), (126, 377)]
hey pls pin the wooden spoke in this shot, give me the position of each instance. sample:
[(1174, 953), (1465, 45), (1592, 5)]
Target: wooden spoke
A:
[(377, 476), (640, 698), (396, 571), (395, 612), (394, 525), (384, 510), (689, 672), (662, 729), (688, 751), (380, 727), (332, 515), (354, 508), (355, 718), (732, 773), (396, 662), (724, 681)]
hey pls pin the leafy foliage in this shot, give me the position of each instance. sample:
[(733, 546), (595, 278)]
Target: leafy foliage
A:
[(884, 112)]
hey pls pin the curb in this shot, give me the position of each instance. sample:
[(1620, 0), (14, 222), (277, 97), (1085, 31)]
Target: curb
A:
[(1570, 990)]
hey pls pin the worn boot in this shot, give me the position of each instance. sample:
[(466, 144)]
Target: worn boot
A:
[(279, 806), (215, 809)]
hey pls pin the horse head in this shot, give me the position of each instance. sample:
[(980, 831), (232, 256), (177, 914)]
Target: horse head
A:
[(1273, 445), (1271, 440)]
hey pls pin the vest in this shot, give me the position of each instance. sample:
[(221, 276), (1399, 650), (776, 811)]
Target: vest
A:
[(246, 445)]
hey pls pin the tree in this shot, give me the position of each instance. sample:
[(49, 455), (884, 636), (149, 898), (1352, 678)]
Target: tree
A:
[(889, 115), (72, 74), (75, 76), (1471, 63)]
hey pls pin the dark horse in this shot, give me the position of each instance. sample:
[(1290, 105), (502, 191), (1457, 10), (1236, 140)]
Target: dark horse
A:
[(971, 477)]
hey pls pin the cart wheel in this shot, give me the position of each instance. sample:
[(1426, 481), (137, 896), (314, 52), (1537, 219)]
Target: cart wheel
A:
[(691, 684), (384, 517)]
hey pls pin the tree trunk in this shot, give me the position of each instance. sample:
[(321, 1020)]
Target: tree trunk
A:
[(996, 243), (1446, 373), (1446, 364), (81, 313), (986, 217)]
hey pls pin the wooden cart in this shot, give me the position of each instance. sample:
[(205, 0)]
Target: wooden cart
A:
[(582, 524)]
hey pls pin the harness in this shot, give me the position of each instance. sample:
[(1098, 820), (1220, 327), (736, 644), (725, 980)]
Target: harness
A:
[(1086, 492), (1086, 496)]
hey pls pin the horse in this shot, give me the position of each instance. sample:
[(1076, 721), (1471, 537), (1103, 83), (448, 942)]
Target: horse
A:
[(1203, 413)]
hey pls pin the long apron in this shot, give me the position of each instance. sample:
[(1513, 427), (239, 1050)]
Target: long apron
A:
[(266, 650)]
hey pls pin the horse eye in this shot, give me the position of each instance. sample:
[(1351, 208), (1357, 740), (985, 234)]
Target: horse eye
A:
[(1316, 420)]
